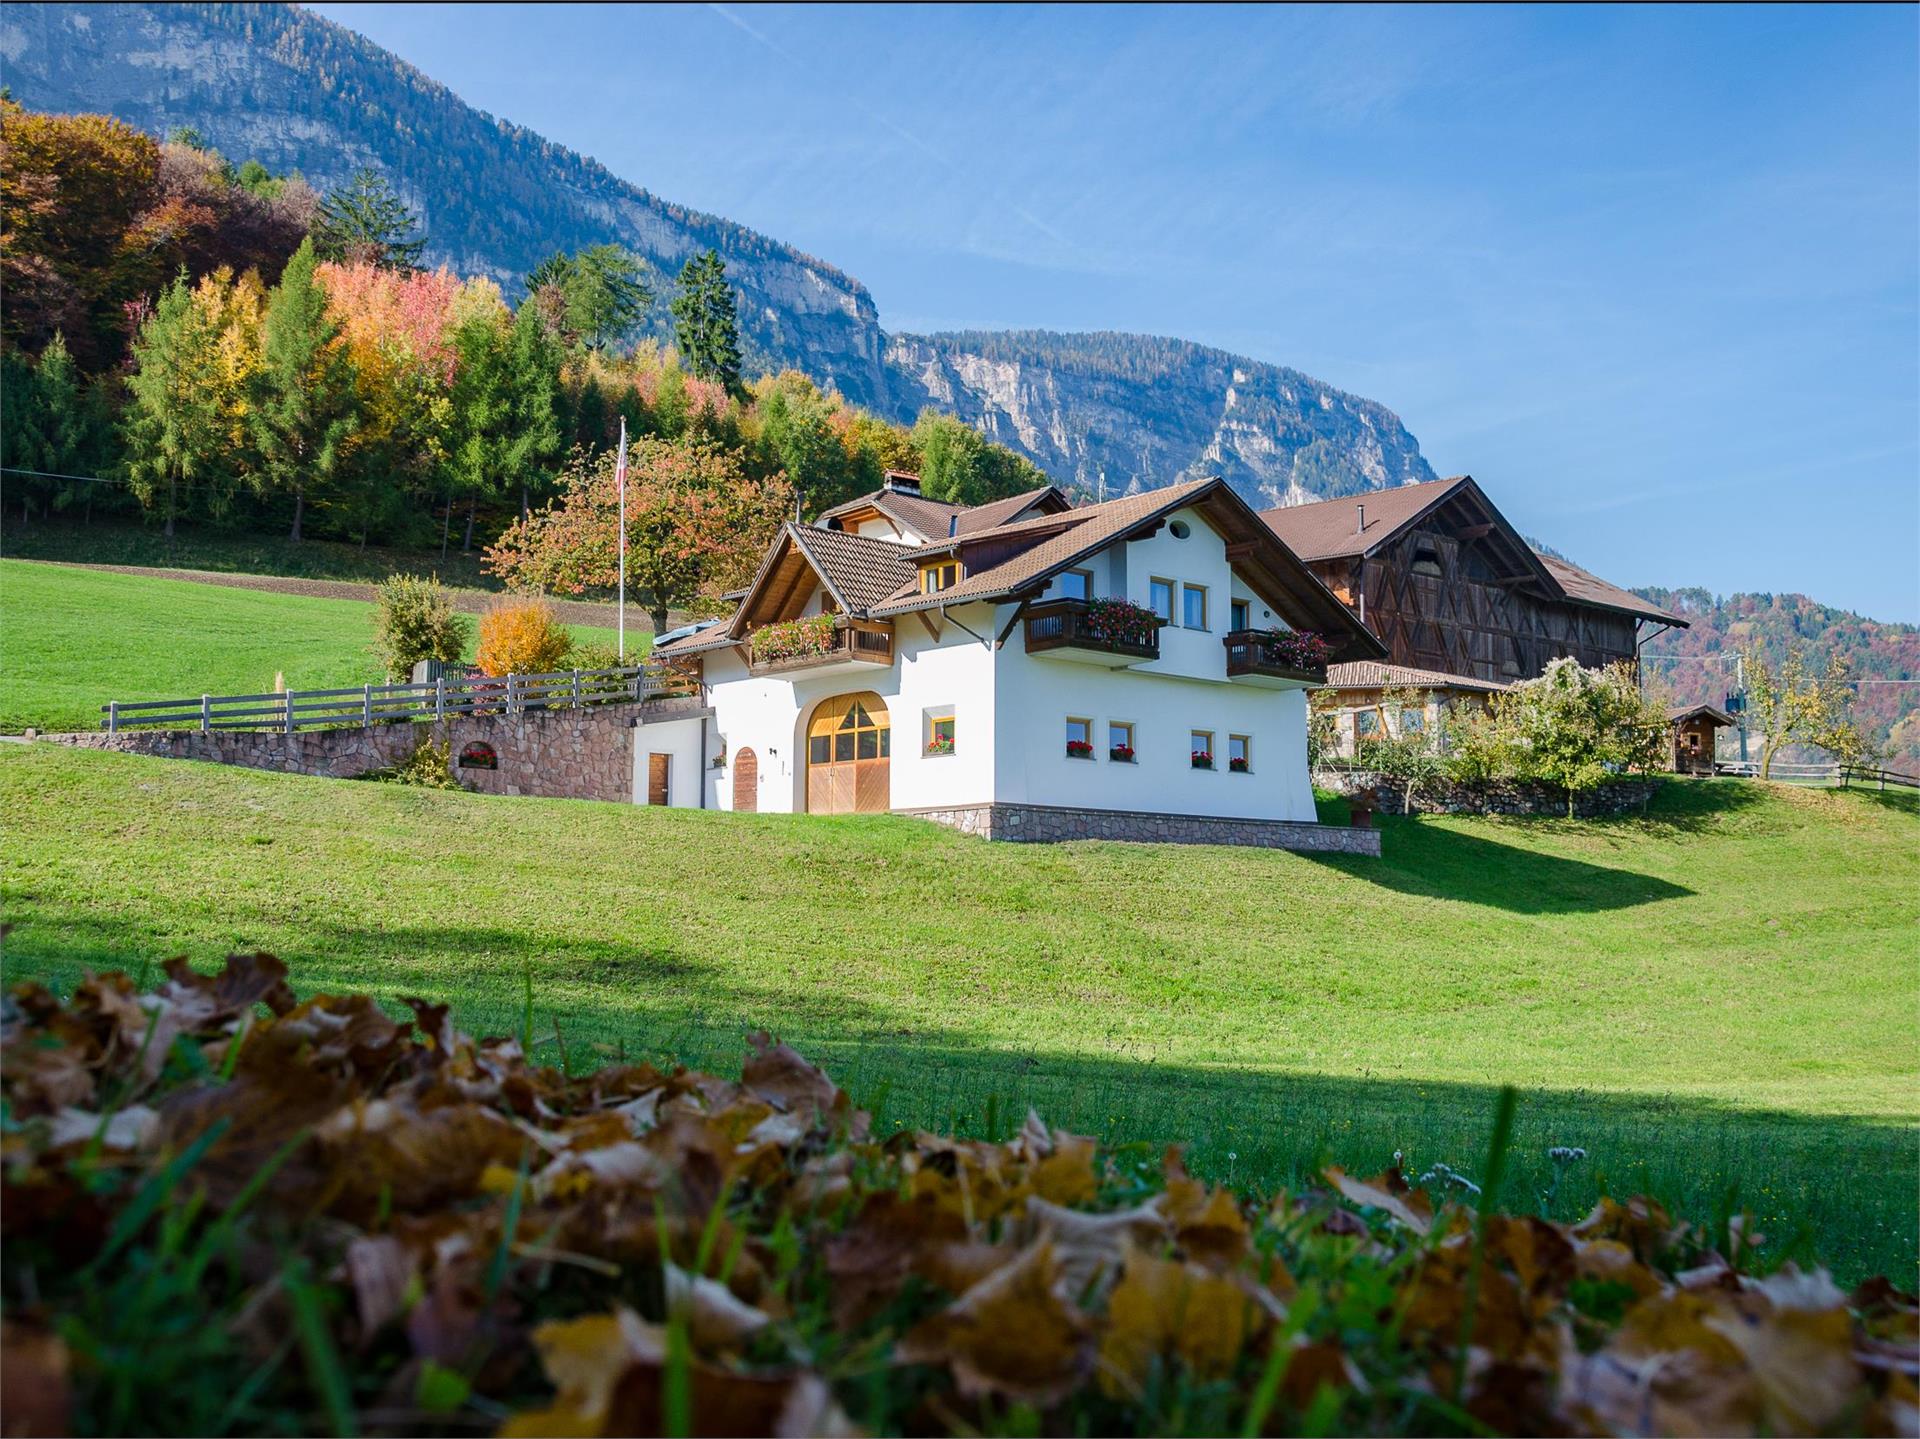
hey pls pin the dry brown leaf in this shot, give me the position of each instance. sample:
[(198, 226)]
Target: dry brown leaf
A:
[(1164, 1308), (1405, 1204), (1015, 1334)]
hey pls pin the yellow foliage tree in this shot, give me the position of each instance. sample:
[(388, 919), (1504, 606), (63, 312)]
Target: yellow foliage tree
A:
[(522, 637)]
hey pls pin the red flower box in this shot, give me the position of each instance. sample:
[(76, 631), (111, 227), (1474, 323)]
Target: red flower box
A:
[(1079, 749)]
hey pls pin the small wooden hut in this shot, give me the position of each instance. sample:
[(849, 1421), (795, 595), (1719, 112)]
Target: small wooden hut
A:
[(1694, 730)]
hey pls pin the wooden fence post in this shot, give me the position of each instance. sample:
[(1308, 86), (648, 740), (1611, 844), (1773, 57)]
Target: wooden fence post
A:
[(206, 713), (289, 695), (513, 690), (113, 717), (576, 687), (439, 699), (366, 708)]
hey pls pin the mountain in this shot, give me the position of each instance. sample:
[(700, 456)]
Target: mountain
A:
[(297, 92), (1699, 662)]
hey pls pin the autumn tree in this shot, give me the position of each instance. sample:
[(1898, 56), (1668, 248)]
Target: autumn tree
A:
[(364, 220), (696, 527), (304, 413), (1573, 727), (595, 297), (705, 325), (1789, 704), (798, 434)]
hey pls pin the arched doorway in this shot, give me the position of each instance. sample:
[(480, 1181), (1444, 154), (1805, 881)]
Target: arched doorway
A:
[(849, 742), (746, 781)]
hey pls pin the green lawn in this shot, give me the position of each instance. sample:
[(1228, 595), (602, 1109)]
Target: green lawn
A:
[(72, 639), (206, 548), (1719, 994)]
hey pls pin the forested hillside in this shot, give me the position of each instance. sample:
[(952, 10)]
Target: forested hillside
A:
[(1699, 662), (303, 95)]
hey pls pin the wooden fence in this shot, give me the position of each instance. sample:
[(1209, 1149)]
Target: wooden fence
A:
[(370, 705)]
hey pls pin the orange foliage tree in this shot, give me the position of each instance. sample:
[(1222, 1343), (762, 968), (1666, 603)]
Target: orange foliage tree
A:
[(696, 526), (522, 637)]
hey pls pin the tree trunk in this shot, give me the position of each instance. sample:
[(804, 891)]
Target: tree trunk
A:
[(467, 543), (1569, 801), (299, 511), (658, 614), (523, 501), (173, 492), (446, 524)]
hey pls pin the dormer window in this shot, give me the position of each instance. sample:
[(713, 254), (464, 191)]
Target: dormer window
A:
[(935, 578), (1426, 561)]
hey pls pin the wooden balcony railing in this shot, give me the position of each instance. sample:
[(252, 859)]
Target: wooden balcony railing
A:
[(1064, 624), (1254, 654), (854, 642)]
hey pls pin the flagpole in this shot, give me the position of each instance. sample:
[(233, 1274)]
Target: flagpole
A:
[(620, 479)]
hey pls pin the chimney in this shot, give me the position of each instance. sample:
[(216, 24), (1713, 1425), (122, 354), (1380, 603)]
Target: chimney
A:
[(902, 483), (1360, 522)]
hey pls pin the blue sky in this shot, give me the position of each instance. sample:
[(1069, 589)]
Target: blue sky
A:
[(1651, 275)]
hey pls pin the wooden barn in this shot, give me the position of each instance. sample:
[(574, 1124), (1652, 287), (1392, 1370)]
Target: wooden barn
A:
[(1453, 590)]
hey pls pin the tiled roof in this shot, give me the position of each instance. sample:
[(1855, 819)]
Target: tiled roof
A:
[(1330, 529), (1712, 712), (860, 571), (1590, 589), (932, 519), (1087, 530), (1371, 675)]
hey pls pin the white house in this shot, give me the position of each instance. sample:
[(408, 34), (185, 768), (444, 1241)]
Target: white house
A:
[(969, 665)]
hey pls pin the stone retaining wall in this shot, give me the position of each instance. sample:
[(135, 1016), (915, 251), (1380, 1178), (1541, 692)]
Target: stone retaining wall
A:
[(553, 754), (1620, 796), (1050, 824)]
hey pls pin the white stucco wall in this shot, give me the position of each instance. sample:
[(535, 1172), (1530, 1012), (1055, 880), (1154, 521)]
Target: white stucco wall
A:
[(687, 768)]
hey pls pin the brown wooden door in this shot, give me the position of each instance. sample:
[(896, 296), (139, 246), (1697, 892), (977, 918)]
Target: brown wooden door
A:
[(849, 750), (746, 782), (657, 765)]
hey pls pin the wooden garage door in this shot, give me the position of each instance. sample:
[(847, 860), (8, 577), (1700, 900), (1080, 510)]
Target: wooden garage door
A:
[(746, 781), (657, 770), (849, 745)]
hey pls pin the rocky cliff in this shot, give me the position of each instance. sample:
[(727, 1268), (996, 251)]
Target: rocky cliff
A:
[(296, 92)]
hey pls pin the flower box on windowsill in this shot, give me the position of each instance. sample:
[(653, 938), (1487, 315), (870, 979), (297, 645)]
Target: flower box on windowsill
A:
[(1121, 754), (939, 747), (1239, 766), (1202, 760), (1079, 749)]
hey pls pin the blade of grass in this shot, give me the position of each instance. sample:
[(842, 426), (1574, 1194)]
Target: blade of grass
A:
[(1495, 1171), (155, 1192), (316, 1344)]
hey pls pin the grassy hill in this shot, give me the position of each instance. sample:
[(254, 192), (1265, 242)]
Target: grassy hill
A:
[(74, 639), (1715, 997)]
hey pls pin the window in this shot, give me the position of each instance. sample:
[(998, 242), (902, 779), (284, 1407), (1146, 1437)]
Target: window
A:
[(1240, 753), (1240, 615), (940, 731), (1119, 742), (935, 578), (1366, 722), (1193, 606), (1181, 529), (1413, 721), (1160, 598), (1076, 584), (1426, 561), (1202, 744), (1079, 738)]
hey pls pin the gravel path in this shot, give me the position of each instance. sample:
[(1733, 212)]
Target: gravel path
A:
[(472, 602)]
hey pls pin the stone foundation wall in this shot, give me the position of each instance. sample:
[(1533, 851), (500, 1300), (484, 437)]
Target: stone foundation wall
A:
[(554, 754), (1051, 824), (1621, 796)]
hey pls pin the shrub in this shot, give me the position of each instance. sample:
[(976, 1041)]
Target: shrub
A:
[(793, 639), (430, 766), (522, 637), (598, 656), (414, 620)]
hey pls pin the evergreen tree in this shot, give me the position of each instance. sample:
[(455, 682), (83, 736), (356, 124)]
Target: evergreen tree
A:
[(53, 425), (365, 220), (504, 429), (304, 411), (533, 365), (704, 321), (600, 293), (173, 422)]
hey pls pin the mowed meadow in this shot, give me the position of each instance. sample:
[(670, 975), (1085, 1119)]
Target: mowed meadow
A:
[(1715, 1000), (72, 639)]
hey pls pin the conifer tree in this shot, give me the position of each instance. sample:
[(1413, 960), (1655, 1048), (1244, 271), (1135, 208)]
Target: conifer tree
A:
[(599, 294), (365, 220), (304, 411), (704, 321), (173, 419)]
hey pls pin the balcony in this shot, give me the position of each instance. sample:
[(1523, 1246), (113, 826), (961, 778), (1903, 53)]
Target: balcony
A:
[(1077, 630), (1276, 661), (823, 644)]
